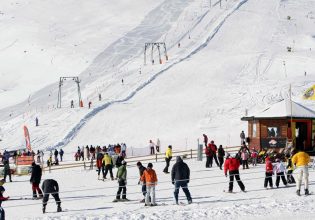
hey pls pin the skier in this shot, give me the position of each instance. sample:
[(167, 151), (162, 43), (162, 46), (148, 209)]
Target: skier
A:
[(144, 187), (168, 157), (232, 165), (254, 156), (221, 154), (36, 122), (108, 162), (242, 136), (87, 152), (61, 152), (71, 104), (214, 148), (7, 171), (149, 178), (209, 155), (56, 154), (244, 156), (279, 169), (122, 182), (269, 173), (2, 198), (99, 164), (205, 140), (180, 178), (290, 167), (301, 160), (90, 103), (157, 146), (50, 186), (99, 97), (151, 145), (35, 180)]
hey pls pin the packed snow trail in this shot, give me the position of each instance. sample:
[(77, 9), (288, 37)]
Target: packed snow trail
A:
[(67, 139)]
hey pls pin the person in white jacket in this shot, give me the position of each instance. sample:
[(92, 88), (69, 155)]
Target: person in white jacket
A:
[(280, 171)]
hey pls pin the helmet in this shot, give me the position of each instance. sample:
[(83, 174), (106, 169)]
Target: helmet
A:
[(150, 165)]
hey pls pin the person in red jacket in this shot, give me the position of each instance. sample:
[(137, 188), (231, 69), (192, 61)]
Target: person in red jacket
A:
[(209, 155), (214, 149), (269, 173), (232, 165)]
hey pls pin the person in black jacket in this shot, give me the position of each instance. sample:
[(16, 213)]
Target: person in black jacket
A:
[(180, 178), (144, 187), (221, 154), (50, 186), (7, 171), (35, 180)]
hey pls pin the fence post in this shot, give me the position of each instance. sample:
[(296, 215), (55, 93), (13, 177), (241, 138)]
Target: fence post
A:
[(190, 153), (84, 165), (156, 157), (91, 164), (49, 167)]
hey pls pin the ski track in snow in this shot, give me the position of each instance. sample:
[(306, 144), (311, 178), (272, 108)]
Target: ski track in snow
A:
[(91, 114)]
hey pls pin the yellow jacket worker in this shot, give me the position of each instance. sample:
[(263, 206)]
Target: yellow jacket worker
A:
[(301, 160)]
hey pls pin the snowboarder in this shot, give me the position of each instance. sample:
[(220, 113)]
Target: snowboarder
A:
[(279, 169), (72, 104), (232, 165), (301, 160), (150, 180), (144, 187), (180, 178), (151, 145), (242, 136), (51, 186), (35, 180), (7, 171), (205, 140), (108, 162), (269, 173), (2, 198), (122, 182), (36, 122), (221, 154), (61, 152), (168, 157)]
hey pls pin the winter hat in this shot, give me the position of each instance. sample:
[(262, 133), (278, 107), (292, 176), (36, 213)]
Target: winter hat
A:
[(169, 146), (150, 165), (178, 159), (139, 163), (212, 142), (2, 189)]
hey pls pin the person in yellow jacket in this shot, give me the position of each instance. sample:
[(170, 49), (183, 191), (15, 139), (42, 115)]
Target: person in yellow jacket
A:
[(301, 160), (168, 157), (108, 162)]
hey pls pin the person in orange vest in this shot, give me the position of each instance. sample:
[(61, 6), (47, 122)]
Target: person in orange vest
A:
[(150, 179)]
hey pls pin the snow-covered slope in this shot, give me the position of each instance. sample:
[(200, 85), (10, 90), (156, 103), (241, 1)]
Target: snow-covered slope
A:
[(229, 60)]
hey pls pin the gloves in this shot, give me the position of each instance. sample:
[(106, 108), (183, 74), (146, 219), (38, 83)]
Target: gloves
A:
[(139, 182), (187, 181), (173, 182)]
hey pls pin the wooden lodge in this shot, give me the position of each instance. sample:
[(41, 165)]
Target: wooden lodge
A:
[(285, 122)]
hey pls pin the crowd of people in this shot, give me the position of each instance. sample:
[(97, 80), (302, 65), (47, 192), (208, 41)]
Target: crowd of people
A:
[(90, 152)]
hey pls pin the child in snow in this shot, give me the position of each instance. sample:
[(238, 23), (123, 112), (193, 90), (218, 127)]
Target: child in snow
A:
[(269, 173), (254, 157), (290, 168), (150, 179), (245, 155), (279, 169)]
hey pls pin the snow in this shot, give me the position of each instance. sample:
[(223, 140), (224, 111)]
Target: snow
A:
[(85, 197), (231, 60)]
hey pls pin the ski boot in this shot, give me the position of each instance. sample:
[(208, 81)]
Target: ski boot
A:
[(116, 200), (189, 201), (44, 209), (125, 200), (307, 192), (142, 201), (298, 192), (59, 208)]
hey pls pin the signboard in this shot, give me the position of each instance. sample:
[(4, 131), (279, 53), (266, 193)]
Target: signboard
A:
[(24, 160), (273, 142)]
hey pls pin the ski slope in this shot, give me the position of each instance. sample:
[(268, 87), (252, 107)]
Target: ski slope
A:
[(85, 197), (226, 64)]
